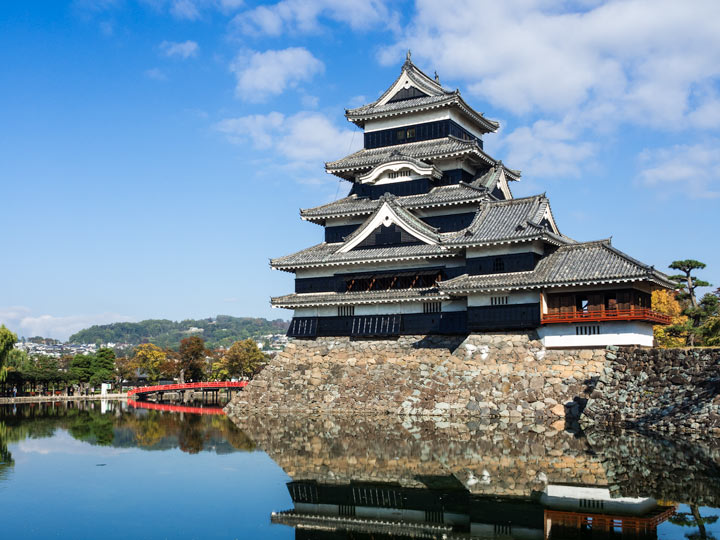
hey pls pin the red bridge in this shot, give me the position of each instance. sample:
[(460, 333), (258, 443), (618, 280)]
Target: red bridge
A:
[(143, 391)]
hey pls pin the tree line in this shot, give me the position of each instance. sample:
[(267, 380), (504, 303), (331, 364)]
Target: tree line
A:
[(192, 362), (221, 331)]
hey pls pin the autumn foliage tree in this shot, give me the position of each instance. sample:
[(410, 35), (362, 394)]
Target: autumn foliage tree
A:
[(665, 302), (150, 359), (243, 358)]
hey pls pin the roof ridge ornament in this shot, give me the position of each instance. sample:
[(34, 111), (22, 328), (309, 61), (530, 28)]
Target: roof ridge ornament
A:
[(437, 77)]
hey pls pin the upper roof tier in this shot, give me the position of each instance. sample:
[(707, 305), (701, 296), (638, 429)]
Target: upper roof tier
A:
[(428, 151), (413, 91)]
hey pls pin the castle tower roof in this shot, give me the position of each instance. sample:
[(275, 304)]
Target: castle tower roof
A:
[(414, 91)]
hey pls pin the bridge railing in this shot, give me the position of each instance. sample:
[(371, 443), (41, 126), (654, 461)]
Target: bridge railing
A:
[(186, 386)]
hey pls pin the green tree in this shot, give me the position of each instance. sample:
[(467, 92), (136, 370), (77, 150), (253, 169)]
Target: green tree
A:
[(243, 358), (696, 312), (191, 359), (103, 366), (81, 369), (7, 342)]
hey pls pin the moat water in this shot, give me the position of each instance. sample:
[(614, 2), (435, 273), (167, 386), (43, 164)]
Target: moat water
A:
[(110, 470)]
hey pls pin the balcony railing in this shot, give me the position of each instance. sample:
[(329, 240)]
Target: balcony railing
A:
[(632, 314)]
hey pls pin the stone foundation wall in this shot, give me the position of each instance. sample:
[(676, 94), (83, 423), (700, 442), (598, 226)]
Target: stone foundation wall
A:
[(504, 375), (658, 389)]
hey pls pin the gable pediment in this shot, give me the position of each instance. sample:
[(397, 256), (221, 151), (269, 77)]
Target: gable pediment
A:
[(398, 170), (390, 225)]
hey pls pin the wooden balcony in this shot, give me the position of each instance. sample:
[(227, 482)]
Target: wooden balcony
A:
[(603, 315)]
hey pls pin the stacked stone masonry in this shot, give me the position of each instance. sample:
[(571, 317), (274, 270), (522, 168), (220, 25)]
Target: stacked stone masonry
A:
[(505, 375), (662, 390)]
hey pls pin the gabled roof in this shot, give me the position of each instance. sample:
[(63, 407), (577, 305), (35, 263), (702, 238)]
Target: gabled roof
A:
[(587, 263), (428, 151), (434, 96), (508, 221), (452, 195), (388, 213)]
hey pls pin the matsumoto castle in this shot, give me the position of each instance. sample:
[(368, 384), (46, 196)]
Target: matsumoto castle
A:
[(430, 240)]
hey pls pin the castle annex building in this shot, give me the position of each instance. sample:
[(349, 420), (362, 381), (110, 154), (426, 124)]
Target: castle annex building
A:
[(430, 240)]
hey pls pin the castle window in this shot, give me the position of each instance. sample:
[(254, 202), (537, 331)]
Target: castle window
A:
[(401, 135), (432, 307), (346, 311), (411, 133), (499, 300), (498, 265), (587, 330), (398, 174)]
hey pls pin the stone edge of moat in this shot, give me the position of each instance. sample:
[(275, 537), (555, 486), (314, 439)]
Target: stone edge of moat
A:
[(55, 399), (506, 376)]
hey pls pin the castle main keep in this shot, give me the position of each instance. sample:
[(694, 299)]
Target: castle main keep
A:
[(431, 241)]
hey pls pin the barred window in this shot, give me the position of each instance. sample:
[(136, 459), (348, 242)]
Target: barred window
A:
[(498, 265), (346, 311), (432, 307), (587, 330), (398, 174), (499, 300)]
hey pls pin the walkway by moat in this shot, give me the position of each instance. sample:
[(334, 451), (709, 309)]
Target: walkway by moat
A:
[(106, 468)]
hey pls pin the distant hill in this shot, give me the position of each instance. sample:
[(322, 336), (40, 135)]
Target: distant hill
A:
[(223, 330)]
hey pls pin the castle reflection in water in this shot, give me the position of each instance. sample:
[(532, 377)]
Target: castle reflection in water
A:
[(379, 478)]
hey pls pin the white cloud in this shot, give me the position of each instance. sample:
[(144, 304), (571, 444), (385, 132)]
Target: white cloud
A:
[(304, 16), (579, 71), (185, 9), (271, 72), (183, 49), (693, 170), (546, 149), (155, 74), (643, 56), (21, 320), (305, 140), (190, 10), (310, 102)]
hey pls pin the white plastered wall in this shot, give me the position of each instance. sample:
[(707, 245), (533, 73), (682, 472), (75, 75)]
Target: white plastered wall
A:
[(610, 333)]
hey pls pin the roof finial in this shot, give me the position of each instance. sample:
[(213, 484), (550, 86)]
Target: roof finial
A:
[(437, 78), (407, 56)]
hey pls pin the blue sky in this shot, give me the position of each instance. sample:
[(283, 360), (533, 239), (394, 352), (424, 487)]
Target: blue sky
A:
[(154, 153)]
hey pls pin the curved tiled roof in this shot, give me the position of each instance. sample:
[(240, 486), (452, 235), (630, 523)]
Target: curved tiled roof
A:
[(433, 149), (454, 194), (296, 300), (504, 221), (326, 255), (436, 96), (584, 263)]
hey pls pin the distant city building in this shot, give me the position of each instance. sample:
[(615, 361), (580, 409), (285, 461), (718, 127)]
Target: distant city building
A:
[(430, 240)]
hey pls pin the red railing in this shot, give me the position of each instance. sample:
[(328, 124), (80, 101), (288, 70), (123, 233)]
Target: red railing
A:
[(187, 386), (632, 314), (175, 408)]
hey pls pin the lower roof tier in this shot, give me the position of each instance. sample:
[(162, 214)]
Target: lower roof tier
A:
[(588, 263)]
